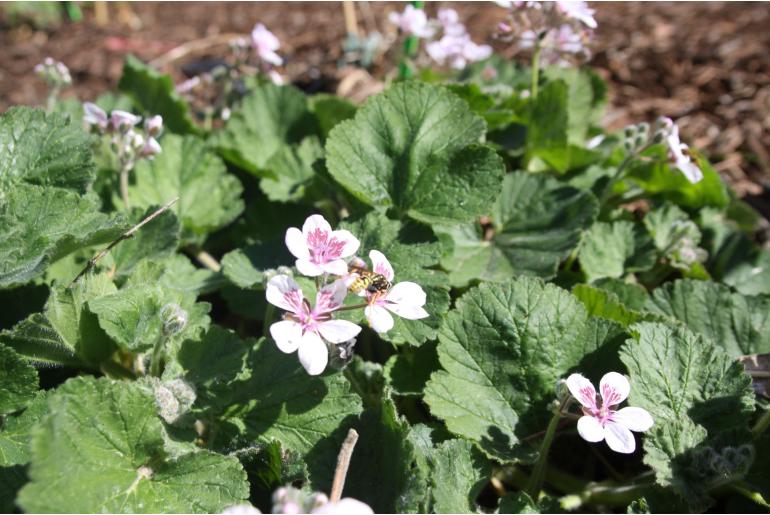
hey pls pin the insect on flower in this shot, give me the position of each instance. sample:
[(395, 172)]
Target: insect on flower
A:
[(367, 280)]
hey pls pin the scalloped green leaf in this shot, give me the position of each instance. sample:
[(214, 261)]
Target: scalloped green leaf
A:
[(502, 349), (460, 471), (18, 381), (101, 449), (209, 197), (700, 398), (154, 93), (535, 224), (414, 148), (16, 432), (736, 323), (615, 249), (268, 119)]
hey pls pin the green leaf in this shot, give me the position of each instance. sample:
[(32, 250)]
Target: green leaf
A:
[(292, 170), (547, 129), (460, 471), (35, 339), (101, 449), (502, 350), (738, 324), (157, 240), (407, 371), (209, 197), (412, 148), (17, 431), (633, 295), (43, 149), (412, 252), (614, 249), (43, 224), (131, 317), (536, 222), (18, 381), (246, 267), (751, 277), (330, 110), (584, 100), (605, 304), (153, 93), (393, 485), (483, 104), (667, 224), (269, 468), (269, 118), (518, 502), (698, 396), (659, 178)]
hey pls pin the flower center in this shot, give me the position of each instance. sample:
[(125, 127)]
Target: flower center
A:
[(323, 248)]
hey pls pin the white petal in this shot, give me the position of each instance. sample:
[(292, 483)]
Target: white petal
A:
[(582, 390), (338, 331), (407, 293), (690, 170), (296, 243), (316, 222), (287, 335), (351, 242), (619, 438), (308, 268), (614, 389), (313, 353), (381, 265), (379, 318), (635, 419), (335, 267), (284, 292), (330, 297), (346, 506), (407, 311), (590, 429)]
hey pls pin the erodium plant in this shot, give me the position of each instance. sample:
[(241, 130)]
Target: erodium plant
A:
[(461, 296)]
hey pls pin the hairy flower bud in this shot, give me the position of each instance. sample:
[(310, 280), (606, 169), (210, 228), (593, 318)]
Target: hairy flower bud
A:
[(174, 398), (174, 319), (154, 125)]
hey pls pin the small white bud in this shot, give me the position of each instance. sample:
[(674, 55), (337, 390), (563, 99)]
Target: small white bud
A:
[(174, 319)]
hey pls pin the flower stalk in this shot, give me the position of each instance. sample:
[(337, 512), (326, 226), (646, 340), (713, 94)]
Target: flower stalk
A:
[(536, 479)]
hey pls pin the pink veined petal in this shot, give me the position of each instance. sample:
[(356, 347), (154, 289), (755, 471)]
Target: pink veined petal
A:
[(590, 429), (582, 390), (330, 297), (335, 267), (614, 389), (346, 506), (351, 243), (635, 419), (296, 243), (381, 265), (308, 268), (315, 223), (619, 438), (284, 292), (287, 335), (338, 331), (313, 353), (379, 318)]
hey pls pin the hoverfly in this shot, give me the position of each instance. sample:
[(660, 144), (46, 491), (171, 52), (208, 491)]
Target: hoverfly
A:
[(368, 281)]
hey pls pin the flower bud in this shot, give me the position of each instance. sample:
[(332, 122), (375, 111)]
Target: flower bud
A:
[(136, 140), (284, 270), (150, 149), (154, 125), (174, 398), (94, 116), (174, 319), (123, 121), (643, 128)]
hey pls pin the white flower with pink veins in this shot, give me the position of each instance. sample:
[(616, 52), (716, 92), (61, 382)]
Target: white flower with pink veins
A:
[(304, 328), (318, 249), (265, 44), (579, 11), (602, 421), (406, 299)]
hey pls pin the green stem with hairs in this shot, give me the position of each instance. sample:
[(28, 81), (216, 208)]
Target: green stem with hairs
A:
[(761, 425), (535, 70), (536, 479), (157, 355)]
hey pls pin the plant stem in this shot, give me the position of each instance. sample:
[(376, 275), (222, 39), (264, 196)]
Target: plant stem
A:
[(157, 354), (536, 479), (411, 45), (124, 171), (116, 370), (348, 308), (343, 462), (761, 425), (535, 70)]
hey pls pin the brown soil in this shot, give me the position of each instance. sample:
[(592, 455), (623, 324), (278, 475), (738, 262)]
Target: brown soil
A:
[(707, 65)]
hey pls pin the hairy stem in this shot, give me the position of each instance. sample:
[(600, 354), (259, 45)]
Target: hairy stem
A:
[(536, 479), (761, 425), (157, 355), (535, 70), (343, 462), (124, 171)]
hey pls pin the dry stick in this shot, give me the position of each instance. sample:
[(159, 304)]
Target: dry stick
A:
[(209, 261), (343, 462), (192, 46), (126, 235)]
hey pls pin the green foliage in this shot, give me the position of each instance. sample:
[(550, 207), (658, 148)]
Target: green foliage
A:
[(460, 471), (87, 458), (153, 93), (615, 249), (18, 381)]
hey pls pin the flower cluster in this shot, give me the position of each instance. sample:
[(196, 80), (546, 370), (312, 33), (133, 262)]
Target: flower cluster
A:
[(454, 47), (53, 73), (602, 420), (128, 142), (321, 252), (664, 131), (556, 30)]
